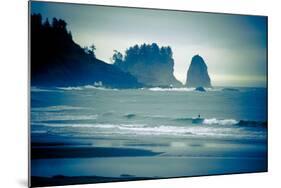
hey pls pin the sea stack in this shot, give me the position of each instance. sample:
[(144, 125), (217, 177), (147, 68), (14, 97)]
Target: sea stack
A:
[(197, 74)]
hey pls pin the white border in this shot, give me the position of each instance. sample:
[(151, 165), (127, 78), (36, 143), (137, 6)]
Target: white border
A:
[(13, 80)]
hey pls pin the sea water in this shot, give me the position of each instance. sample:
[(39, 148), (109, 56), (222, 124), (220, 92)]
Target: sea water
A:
[(230, 136)]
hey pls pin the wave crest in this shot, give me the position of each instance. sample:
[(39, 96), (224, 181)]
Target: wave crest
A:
[(214, 121), (57, 108), (171, 89), (79, 88), (149, 130), (182, 89)]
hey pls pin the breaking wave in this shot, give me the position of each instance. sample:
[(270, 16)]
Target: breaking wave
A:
[(182, 89), (56, 108), (171, 89), (206, 122), (214, 121), (79, 88), (227, 122), (129, 116), (223, 122), (37, 89), (149, 130)]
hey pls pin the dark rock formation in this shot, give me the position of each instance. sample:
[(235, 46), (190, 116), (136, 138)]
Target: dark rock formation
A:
[(56, 60), (152, 65), (201, 89), (197, 74)]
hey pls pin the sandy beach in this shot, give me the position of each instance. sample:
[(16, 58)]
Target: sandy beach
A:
[(61, 163)]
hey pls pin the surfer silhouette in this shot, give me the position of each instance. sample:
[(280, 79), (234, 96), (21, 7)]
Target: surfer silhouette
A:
[(197, 120)]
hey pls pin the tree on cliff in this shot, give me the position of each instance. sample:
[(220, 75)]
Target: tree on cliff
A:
[(90, 50), (117, 58), (56, 60)]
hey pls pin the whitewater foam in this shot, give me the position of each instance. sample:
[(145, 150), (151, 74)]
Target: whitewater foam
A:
[(70, 88), (101, 126), (214, 121), (79, 88), (171, 89), (36, 89), (39, 132), (148, 130), (57, 108), (182, 89)]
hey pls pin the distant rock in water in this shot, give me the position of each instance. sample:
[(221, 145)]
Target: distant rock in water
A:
[(200, 89), (152, 65), (197, 74)]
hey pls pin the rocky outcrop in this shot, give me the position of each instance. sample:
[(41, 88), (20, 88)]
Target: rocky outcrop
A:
[(152, 65), (56, 60), (197, 74), (201, 89)]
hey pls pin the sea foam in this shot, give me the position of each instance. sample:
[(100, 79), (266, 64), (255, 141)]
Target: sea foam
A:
[(171, 89), (214, 121), (57, 108), (80, 88)]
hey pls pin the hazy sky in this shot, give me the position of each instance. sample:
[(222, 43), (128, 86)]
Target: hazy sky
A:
[(233, 46)]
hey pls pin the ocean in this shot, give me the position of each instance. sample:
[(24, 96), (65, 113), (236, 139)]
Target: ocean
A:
[(148, 132)]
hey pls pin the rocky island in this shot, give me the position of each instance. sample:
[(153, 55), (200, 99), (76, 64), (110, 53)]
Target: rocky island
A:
[(152, 65), (197, 74)]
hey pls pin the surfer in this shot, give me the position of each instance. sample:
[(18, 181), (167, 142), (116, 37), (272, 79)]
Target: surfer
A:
[(197, 120)]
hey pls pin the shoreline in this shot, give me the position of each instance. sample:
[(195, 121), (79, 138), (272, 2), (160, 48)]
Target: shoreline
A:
[(39, 181), (59, 180), (88, 152), (146, 166)]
